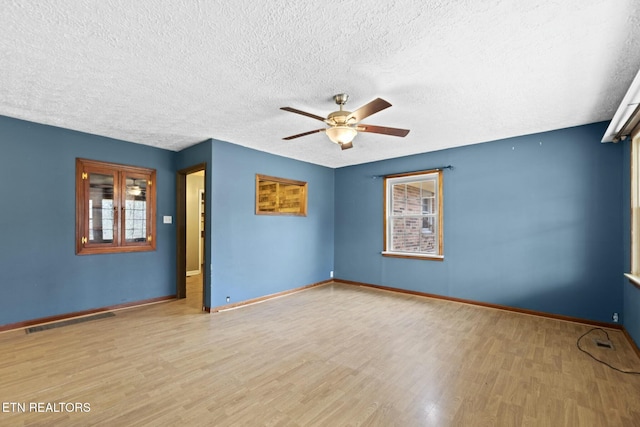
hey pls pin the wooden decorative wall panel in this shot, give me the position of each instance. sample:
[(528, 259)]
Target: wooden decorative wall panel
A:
[(280, 196)]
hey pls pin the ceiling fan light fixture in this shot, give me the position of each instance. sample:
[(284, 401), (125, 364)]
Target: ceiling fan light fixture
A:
[(341, 134), (344, 125), (134, 190)]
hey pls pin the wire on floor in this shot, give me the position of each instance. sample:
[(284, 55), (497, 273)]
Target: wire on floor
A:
[(595, 358)]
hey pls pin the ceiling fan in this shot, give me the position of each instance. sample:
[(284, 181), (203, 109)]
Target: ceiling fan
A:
[(344, 125)]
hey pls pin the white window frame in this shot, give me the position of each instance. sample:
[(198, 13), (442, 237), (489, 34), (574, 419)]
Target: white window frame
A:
[(635, 209), (413, 177)]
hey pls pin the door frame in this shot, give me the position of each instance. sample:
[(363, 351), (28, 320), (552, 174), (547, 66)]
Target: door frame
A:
[(181, 230)]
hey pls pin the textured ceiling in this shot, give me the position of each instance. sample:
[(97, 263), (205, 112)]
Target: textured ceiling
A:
[(173, 73)]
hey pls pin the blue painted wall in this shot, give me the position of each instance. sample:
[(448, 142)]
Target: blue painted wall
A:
[(250, 256), (256, 255), (532, 222), (537, 222), (631, 292), (40, 274)]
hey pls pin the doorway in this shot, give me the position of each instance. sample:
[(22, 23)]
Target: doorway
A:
[(191, 225)]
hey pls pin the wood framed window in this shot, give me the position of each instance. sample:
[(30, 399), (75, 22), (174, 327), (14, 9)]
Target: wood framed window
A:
[(280, 196), (115, 208), (413, 215)]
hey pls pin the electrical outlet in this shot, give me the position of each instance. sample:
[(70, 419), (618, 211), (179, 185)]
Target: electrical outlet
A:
[(331, 274), (615, 317), (228, 299), (604, 343)]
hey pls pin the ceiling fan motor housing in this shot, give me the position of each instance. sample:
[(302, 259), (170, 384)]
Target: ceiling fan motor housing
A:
[(338, 117)]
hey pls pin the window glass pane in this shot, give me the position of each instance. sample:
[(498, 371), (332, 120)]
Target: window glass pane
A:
[(413, 199), (428, 205), (100, 208), (428, 191), (399, 199), (398, 236), (429, 235), (406, 234), (135, 227), (636, 178)]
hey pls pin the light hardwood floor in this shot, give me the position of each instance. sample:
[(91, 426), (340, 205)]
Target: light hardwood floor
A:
[(194, 291), (334, 355)]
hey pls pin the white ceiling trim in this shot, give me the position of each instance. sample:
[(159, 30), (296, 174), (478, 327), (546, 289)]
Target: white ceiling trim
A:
[(627, 107)]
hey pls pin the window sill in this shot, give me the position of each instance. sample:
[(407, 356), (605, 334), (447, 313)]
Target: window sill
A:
[(413, 255), (633, 278)]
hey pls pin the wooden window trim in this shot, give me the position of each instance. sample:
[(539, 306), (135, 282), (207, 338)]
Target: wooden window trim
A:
[(120, 173), (440, 217), (303, 195)]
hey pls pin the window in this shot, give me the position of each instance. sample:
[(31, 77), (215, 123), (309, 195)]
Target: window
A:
[(115, 208), (279, 196), (635, 207), (413, 215)]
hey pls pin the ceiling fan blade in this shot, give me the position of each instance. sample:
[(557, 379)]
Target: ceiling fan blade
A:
[(383, 130), (366, 110), (346, 146), (304, 113), (303, 134)]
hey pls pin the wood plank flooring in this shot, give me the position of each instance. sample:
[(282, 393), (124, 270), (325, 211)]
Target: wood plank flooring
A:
[(333, 355), (194, 291)]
